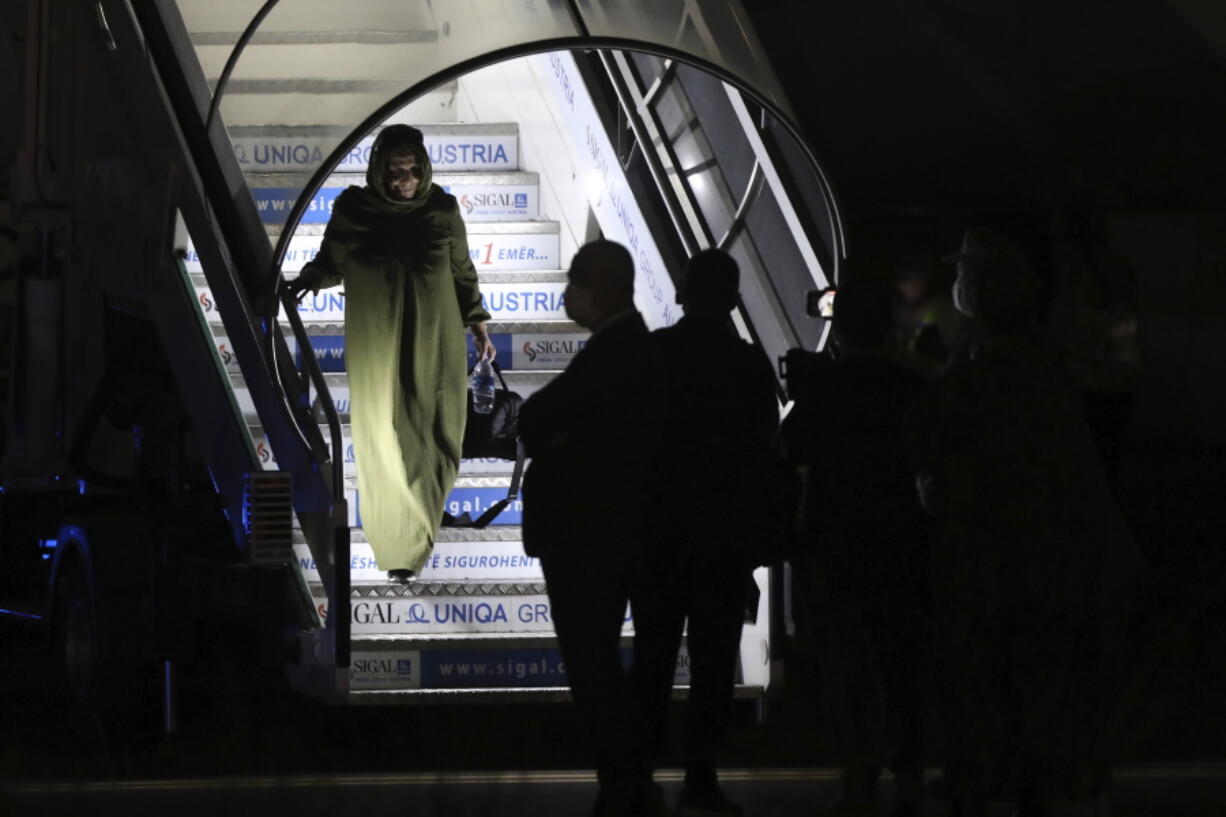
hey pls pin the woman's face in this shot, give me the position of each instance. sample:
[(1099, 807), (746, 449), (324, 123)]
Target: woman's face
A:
[(403, 175)]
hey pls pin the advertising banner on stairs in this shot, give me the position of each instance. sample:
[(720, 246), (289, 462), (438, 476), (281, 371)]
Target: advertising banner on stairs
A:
[(609, 193), (306, 151)]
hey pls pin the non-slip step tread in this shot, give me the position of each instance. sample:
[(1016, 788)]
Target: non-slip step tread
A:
[(336, 328), (340, 380), (393, 697), (380, 641), (341, 131), (499, 533), (365, 591), (339, 37), (261, 179), (314, 86), (525, 694)]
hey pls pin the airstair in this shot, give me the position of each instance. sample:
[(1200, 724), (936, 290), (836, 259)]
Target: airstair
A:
[(477, 618), (258, 122), (476, 622)]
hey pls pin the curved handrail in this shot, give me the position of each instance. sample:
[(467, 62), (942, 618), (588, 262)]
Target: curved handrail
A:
[(398, 101), (321, 387), (232, 60)]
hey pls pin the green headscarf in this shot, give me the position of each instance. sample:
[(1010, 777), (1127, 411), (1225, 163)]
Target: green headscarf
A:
[(368, 225), (392, 140)]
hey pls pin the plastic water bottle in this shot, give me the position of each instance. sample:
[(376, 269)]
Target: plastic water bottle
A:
[(482, 382)]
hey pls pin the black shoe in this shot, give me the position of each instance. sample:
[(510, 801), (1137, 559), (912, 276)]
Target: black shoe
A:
[(706, 801), (400, 576)]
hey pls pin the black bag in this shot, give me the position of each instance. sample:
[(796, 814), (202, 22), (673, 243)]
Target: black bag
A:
[(493, 435)]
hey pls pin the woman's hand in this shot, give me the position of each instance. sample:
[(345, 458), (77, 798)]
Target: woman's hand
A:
[(297, 287), (482, 343)]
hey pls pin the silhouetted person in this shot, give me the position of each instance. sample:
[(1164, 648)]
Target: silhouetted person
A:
[(927, 326), (592, 435), (864, 550), (722, 413), (1030, 542)]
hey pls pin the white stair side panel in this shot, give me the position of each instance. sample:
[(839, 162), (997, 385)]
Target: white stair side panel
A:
[(395, 16), (538, 300), (608, 192), (480, 196), (305, 109), (449, 614), (488, 251), (510, 91), (417, 665), (452, 147), (450, 561), (452, 614), (468, 467), (516, 351)]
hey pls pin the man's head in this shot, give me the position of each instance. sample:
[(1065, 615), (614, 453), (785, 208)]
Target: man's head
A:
[(710, 284), (600, 283), (996, 283), (862, 315)]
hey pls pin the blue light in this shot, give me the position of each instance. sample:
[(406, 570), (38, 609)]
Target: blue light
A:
[(48, 544), (18, 614), (81, 487)]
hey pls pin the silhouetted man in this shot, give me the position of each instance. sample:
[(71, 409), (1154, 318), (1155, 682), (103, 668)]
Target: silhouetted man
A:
[(722, 413), (864, 553), (592, 434)]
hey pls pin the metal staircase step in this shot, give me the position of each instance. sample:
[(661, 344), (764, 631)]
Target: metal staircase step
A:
[(307, 101), (453, 560), (468, 467), (452, 147), (520, 345), (490, 608), (523, 382), (451, 663), (492, 245), (482, 196), (506, 533), (204, 39), (230, 18)]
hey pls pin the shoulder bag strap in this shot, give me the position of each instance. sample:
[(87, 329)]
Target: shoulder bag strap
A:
[(512, 492)]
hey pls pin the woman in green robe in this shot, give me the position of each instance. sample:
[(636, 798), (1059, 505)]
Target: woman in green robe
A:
[(400, 248)]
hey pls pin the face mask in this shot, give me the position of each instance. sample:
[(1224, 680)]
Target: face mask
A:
[(579, 302)]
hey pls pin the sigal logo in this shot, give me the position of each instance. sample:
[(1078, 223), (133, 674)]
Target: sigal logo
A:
[(349, 455), (206, 300), (385, 666), (262, 451), (226, 354), (552, 348), (505, 201)]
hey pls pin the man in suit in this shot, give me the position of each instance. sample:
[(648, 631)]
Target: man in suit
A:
[(592, 434), (721, 416)]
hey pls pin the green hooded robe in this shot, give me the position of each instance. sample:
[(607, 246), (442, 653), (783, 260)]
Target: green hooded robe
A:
[(410, 291)]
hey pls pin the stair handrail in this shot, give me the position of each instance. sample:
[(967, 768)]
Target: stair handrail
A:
[(268, 331)]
